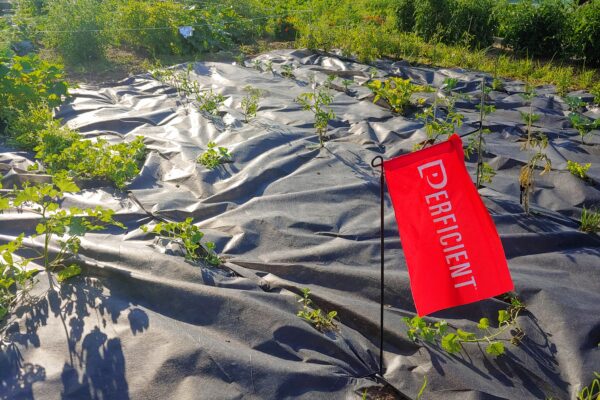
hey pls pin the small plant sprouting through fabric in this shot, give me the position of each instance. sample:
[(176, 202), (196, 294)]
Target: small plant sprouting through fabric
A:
[(190, 237), (574, 103), (287, 70), (538, 143), (209, 101), (436, 127), (590, 220), (583, 125), (214, 156), (485, 173), (53, 223), (347, 83), (579, 170), (205, 100), (318, 102), (453, 342), (591, 392), (396, 92), (250, 102), (321, 320)]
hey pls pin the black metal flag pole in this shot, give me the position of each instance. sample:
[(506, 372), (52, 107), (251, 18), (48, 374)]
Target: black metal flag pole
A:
[(378, 162)]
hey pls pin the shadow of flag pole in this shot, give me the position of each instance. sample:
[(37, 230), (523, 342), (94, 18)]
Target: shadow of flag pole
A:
[(375, 163)]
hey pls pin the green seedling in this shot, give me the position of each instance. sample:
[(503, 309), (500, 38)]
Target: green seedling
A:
[(436, 127), (453, 342), (579, 170), (318, 102), (321, 320), (574, 103), (287, 70), (214, 156), (346, 83), (190, 237), (485, 173), (269, 66), (590, 220), (63, 227), (583, 125), (250, 102), (257, 64), (396, 92), (209, 101)]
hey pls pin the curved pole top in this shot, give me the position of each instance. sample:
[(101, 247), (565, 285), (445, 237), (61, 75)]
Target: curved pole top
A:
[(377, 162)]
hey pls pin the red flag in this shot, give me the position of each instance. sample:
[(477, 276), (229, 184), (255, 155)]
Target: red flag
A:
[(452, 248)]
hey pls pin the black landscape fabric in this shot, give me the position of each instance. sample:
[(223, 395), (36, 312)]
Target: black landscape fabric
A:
[(142, 323)]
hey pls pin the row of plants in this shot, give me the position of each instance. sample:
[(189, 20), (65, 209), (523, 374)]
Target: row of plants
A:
[(447, 33), (370, 30), (549, 28)]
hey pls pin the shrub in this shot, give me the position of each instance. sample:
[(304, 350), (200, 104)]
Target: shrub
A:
[(76, 29), (214, 27), (25, 129), (431, 18), (25, 83), (585, 39), (534, 28), (472, 22), (405, 15), (141, 14)]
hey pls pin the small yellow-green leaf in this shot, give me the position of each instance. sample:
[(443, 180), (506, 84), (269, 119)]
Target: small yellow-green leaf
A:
[(495, 349), (483, 324)]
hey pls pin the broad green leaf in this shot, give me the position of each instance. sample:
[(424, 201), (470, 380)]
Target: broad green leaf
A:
[(495, 349), (450, 343), (69, 272), (465, 335), (77, 227), (503, 316), (65, 184), (483, 324)]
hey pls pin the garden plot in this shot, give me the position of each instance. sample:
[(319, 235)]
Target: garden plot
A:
[(144, 323)]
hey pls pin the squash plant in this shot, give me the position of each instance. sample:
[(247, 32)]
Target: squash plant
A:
[(397, 92), (190, 237), (58, 226), (28, 81)]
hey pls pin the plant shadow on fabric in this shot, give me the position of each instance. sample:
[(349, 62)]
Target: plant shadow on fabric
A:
[(509, 369), (95, 368)]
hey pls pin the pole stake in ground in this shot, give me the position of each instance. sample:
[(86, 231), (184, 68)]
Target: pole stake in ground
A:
[(378, 162)]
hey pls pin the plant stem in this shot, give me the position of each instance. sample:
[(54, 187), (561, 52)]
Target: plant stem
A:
[(481, 116)]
